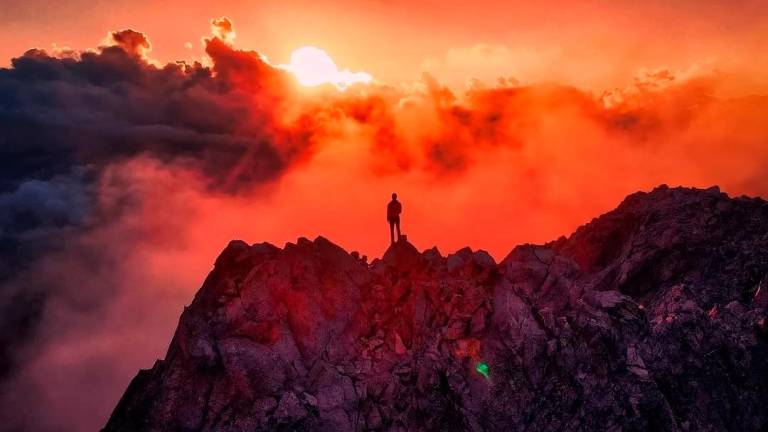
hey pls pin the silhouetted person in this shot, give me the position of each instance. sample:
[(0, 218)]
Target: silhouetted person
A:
[(394, 208)]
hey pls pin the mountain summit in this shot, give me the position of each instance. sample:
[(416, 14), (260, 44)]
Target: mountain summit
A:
[(650, 317)]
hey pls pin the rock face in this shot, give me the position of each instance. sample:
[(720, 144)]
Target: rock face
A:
[(650, 317)]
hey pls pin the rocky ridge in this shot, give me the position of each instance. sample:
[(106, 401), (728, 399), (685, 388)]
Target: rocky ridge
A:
[(650, 317)]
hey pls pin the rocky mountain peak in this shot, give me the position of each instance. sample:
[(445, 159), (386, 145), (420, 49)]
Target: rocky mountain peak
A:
[(650, 317)]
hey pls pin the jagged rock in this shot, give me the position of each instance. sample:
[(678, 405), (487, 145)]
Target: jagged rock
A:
[(477, 324), (455, 330), (761, 294), (373, 420), (607, 299), (311, 400), (263, 406), (290, 408), (635, 363), (650, 317), (399, 346)]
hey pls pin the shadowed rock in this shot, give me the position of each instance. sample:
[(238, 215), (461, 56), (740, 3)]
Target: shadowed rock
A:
[(650, 317)]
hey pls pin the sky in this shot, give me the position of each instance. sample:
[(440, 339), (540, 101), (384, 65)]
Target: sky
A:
[(590, 43), (136, 140)]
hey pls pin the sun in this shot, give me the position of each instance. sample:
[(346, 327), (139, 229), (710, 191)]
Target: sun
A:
[(313, 67)]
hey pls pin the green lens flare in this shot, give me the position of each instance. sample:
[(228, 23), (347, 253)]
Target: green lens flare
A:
[(482, 369)]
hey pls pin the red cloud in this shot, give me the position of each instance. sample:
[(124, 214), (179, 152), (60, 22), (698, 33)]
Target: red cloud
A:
[(132, 42)]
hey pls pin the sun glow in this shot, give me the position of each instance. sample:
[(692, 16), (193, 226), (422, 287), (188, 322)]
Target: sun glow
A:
[(313, 67)]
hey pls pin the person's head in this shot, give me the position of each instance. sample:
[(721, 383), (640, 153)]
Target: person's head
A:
[(394, 197)]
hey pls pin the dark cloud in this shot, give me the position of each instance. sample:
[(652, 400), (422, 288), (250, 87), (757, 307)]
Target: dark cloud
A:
[(37, 206), (67, 122), (113, 104)]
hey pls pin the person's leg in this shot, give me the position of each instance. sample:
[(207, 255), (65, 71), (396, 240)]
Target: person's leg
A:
[(391, 231), (397, 224)]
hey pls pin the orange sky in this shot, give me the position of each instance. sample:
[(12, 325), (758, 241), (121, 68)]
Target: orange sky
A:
[(595, 46), (544, 171), (598, 44)]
